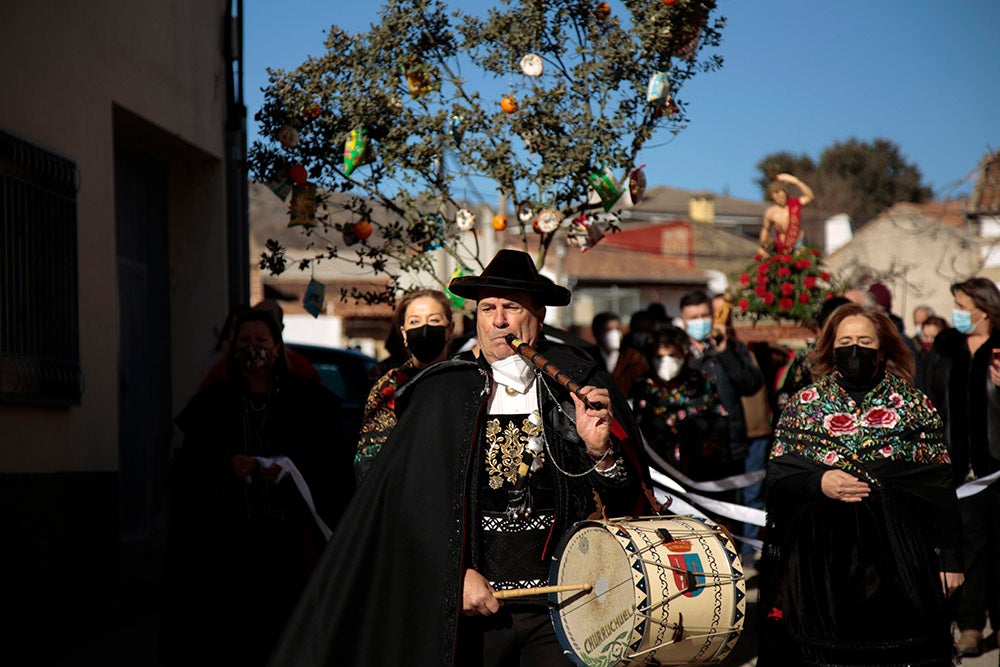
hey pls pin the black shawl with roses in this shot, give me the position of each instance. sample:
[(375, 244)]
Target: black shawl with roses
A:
[(858, 583)]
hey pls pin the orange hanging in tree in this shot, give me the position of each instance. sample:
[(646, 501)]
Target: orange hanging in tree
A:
[(508, 104), (362, 229), (499, 223)]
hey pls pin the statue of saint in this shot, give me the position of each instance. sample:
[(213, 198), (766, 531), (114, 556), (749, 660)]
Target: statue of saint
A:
[(784, 216)]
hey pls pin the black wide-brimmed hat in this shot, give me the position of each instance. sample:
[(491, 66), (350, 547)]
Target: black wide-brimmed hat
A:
[(514, 271)]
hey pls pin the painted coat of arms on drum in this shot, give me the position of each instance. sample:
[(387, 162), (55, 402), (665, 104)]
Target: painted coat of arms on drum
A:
[(660, 591)]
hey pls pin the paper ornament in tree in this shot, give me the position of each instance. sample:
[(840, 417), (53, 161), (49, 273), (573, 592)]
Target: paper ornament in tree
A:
[(584, 232), (288, 137), (532, 65), (456, 301), (633, 188), (302, 207), (549, 220), (465, 219), (280, 188), (419, 79), (499, 223), (508, 104), (456, 129), (604, 184), (658, 91), (524, 213), (434, 225), (314, 297), (356, 151)]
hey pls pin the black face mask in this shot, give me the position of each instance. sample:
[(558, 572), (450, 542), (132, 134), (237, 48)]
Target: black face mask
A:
[(856, 363), (426, 342)]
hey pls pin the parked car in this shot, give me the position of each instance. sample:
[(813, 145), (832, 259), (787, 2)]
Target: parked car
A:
[(347, 373)]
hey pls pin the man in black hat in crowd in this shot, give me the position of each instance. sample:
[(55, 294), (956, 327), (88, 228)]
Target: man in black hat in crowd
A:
[(491, 462)]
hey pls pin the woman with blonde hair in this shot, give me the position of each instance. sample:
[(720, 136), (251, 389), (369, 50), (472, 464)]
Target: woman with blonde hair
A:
[(424, 319)]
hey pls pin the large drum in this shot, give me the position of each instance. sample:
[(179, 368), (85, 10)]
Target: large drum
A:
[(663, 591)]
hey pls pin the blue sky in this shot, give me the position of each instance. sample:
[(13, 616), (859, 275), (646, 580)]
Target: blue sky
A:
[(797, 77)]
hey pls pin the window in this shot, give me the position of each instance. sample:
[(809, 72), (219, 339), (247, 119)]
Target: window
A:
[(39, 323)]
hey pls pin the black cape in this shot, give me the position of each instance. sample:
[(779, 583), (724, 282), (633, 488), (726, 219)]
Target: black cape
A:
[(388, 588), (239, 554), (857, 583)]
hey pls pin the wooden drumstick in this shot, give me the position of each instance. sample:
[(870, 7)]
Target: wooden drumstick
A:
[(549, 368), (540, 590)]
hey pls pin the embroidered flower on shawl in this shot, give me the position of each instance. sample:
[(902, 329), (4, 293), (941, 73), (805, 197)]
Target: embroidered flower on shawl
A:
[(886, 451), (808, 395), (840, 424), (895, 400), (831, 457), (778, 449), (880, 418), (927, 403)]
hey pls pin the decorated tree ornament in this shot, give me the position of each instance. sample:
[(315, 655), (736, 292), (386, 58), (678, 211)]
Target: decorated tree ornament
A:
[(499, 222), (465, 219), (419, 79), (604, 184), (532, 140), (302, 207), (312, 112), (288, 137), (549, 220), (637, 185), (602, 11), (668, 109), (524, 213), (314, 297), (584, 232), (280, 188), (508, 104), (356, 151), (532, 65), (362, 229), (456, 301), (670, 3), (349, 236), (297, 174), (658, 91), (456, 129)]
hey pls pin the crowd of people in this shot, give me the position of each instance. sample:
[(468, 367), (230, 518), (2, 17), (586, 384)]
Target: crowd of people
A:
[(472, 464)]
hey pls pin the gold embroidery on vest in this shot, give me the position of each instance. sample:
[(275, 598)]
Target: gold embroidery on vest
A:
[(505, 449)]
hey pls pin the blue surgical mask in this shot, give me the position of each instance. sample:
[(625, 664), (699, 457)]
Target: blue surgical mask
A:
[(962, 319), (699, 329)]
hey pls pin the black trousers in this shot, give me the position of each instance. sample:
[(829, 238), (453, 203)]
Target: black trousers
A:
[(981, 554), (519, 635)]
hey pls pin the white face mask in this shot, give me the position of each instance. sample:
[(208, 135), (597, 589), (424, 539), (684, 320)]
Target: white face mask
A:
[(513, 372), (668, 367), (612, 339)]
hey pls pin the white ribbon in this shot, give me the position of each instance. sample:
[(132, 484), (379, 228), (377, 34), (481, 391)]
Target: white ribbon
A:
[(974, 486), (288, 468)]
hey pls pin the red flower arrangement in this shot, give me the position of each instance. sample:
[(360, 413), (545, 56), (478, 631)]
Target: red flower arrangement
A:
[(784, 286)]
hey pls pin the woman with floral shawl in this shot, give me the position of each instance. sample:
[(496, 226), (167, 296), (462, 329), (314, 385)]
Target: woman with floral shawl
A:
[(862, 541)]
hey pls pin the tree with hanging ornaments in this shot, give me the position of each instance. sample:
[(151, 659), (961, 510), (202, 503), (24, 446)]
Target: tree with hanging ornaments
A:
[(550, 101)]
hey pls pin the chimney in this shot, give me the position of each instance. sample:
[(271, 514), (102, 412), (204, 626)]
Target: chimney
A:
[(701, 207)]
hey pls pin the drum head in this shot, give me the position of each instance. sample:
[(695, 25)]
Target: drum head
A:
[(663, 591), (599, 626)]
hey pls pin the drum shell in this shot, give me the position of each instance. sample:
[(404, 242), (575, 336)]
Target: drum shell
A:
[(632, 568)]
